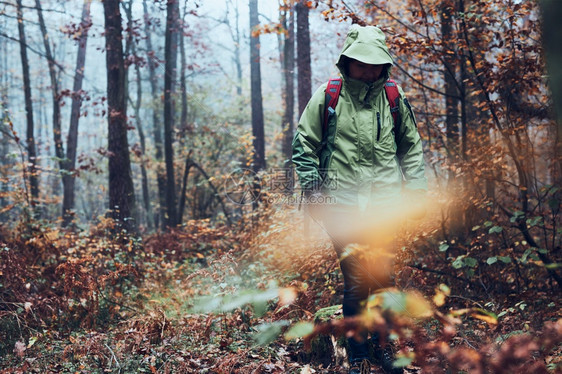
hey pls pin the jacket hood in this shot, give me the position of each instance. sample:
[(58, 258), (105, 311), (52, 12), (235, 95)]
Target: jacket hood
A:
[(366, 44)]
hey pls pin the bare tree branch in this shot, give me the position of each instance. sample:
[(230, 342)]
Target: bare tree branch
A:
[(34, 8), (30, 48)]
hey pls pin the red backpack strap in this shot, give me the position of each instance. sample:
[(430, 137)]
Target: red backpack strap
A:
[(332, 95), (393, 97)]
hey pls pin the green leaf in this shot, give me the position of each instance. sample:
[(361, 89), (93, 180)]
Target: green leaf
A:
[(534, 257), (504, 259), (255, 297), (32, 341), (526, 254), (491, 260), (495, 230), (268, 332), (299, 330), (260, 307), (488, 223), (395, 301), (458, 263), (443, 247), (470, 261), (446, 290), (534, 221), (402, 362), (516, 216), (553, 266), (258, 298), (328, 313), (554, 204), (475, 228)]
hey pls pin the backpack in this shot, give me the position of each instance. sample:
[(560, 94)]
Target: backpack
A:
[(333, 93)]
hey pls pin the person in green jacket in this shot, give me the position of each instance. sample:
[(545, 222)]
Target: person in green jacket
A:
[(362, 166)]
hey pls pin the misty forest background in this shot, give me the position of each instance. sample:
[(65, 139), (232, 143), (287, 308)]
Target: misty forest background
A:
[(149, 216)]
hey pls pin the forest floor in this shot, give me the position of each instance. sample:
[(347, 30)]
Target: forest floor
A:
[(205, 299)]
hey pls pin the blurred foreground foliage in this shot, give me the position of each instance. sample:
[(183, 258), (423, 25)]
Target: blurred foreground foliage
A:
[(258, 298)]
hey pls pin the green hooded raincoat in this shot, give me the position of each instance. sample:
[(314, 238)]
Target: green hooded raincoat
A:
[(360, 161)]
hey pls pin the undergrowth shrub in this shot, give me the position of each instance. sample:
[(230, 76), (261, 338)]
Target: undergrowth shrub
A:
[(61, 279), (27, 300), (89, 291)]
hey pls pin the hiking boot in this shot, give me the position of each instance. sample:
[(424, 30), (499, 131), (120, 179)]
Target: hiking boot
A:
[(386, 359), (384, 356), (360, 367)]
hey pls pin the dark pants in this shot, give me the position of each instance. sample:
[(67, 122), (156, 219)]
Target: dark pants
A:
[(366, 266), (364, 270)]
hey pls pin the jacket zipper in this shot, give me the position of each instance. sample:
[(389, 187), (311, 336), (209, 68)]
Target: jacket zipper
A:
[(378, 126)]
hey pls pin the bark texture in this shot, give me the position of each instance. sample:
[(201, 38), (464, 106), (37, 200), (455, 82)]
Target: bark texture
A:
[(121, 190), (257, 101)]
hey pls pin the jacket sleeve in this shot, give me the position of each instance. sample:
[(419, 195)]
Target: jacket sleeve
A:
[(308, 141), (409, 148)]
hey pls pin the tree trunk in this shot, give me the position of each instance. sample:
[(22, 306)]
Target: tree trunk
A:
[(187, 166), (257, 104), (4, 77), (144, 174), (183, 84), (303, 56), (185, 126), (452, 113), (289, 79), (156, 125), (236, 40), (475, 133), (30, 137), (131, 44), (449, 76), (237, 44), (5, 163), (57, 129), (68, 177), (121, 190), (170, 54), (551, 11)]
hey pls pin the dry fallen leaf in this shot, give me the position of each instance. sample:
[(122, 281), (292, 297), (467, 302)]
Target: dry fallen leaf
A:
[(439, 299), (287, 295), (19, 349)]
